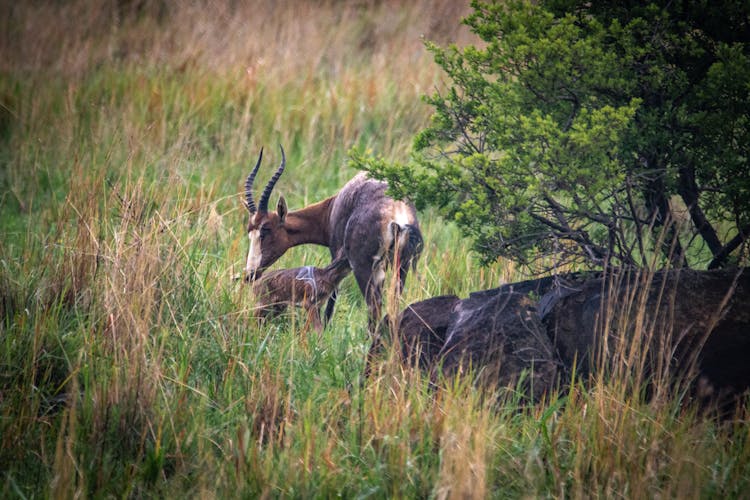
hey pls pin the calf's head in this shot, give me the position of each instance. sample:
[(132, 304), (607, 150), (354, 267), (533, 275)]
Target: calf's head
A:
[(265, 230)]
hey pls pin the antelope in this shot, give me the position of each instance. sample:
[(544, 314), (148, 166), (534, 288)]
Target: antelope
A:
[(307, 287), (374, 231)]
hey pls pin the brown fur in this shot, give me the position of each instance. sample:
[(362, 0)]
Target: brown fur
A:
[(375, 232), (307, 287)]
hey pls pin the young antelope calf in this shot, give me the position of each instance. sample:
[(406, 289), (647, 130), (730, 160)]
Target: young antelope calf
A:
[(308, 287)]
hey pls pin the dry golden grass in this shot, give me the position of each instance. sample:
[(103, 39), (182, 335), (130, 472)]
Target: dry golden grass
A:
[(270, 41)]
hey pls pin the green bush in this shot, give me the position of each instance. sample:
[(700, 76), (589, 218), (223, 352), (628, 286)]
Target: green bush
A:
[(595, 133)]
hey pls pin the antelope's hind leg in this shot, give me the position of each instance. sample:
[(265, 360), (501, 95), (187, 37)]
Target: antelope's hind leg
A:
[(371, 285)]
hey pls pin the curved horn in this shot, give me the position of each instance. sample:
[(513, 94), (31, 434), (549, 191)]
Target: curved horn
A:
[(249, 185), (263, 204)]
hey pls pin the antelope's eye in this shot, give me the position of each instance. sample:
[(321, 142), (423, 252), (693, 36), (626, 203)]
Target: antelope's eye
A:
[(264, 231)]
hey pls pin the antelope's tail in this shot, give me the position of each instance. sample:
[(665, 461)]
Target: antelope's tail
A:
[(407, 247)]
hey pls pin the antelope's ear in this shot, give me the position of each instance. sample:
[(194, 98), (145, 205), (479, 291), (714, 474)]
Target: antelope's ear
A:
[(281, 209)]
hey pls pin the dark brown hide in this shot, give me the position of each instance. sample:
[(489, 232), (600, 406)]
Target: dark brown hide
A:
[(688, 322), (424, 326), (701, 317), (500, 335)]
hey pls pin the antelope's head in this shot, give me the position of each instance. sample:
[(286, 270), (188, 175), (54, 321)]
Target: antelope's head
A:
[(268, 236)]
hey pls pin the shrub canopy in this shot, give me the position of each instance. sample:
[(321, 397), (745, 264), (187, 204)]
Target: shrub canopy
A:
[(594, 132)]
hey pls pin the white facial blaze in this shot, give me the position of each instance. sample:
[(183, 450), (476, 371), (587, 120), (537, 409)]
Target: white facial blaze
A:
[(255, 253)]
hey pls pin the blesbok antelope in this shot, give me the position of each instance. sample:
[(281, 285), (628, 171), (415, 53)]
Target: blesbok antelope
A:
[(308, 287), (374, 230)]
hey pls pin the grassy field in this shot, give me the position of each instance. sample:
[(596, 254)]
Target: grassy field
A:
[(130, 362)]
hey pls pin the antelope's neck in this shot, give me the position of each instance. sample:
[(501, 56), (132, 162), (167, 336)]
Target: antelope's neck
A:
[(311, 224)]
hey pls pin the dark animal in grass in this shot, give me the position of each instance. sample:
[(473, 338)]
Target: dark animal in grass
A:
[(680, 326), (307, 287)]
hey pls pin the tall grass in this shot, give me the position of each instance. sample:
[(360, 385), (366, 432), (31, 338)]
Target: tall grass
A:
[(132, 365)]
